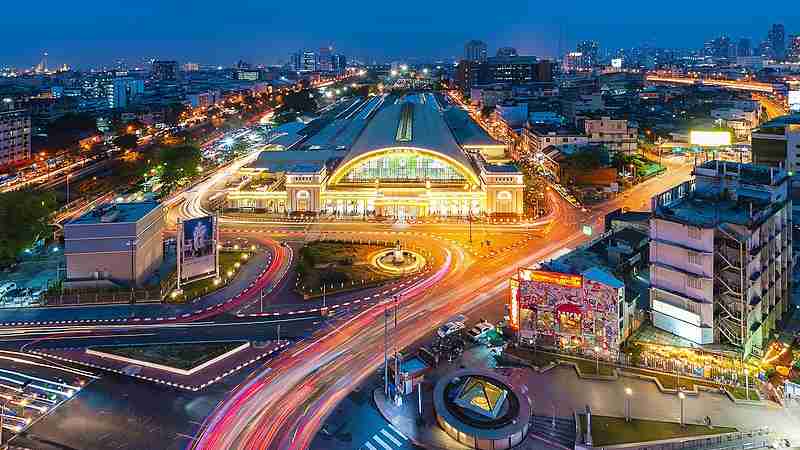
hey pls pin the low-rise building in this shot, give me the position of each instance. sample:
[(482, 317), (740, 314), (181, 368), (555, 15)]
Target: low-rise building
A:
[(118, 242), (617, 135), (540, 136), (583, 299), (777, 143)]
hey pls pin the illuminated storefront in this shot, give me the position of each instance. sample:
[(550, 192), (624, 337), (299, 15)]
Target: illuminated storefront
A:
[(567, 312)]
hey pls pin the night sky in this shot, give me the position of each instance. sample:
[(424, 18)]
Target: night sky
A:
[(94, 32)]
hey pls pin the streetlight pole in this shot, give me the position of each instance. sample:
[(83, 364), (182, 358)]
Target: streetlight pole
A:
[(385, 350), (747, 382), (682, 397), (628, 394)]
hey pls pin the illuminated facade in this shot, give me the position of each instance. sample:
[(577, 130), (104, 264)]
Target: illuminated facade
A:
[(569, 312), (394, 156)]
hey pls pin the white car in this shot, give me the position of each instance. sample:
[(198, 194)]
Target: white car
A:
[(480, 330), (450, 328)]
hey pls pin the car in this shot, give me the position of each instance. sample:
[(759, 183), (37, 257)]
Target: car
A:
[(480, 330), (450, 328)]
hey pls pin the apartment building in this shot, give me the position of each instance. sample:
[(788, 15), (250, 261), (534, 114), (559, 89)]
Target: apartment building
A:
[(720, 255)]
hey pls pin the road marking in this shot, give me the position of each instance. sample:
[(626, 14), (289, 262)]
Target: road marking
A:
[(369, 446), (398, 432), (380, 441), (391, 438)]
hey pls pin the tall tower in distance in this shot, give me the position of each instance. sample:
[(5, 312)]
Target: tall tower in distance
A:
[(475, 51), (42, 66)]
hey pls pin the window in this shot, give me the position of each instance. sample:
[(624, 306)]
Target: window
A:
[(694, 258), (694, 282), (695, 233)]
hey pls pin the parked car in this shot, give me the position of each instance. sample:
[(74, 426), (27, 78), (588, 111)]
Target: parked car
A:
[(480, 330), (450, 328)]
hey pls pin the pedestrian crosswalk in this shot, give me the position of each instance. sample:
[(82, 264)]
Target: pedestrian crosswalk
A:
[(389, 438)]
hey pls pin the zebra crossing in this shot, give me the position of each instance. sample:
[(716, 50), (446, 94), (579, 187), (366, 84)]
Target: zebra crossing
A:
[(389, 438)]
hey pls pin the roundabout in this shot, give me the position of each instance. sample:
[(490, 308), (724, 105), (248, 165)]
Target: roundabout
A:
[(398, 261), (481, 409)]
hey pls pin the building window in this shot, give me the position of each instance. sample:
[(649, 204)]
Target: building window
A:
[(694, 258), (694, 282), (694, 233)]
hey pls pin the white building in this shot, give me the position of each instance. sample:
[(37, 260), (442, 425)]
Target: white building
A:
[(720, 255), (777, 143), (539, 136)]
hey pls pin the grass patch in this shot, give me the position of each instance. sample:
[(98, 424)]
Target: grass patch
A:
[(337, 265), (614, 430), (179, 356), (740, 393), (227, 262)]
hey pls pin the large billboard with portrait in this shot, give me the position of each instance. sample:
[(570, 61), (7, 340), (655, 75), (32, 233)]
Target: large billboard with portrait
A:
[(197, 249)]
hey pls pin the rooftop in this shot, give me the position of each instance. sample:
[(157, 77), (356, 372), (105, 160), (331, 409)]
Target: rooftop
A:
[(116, 213), (292, 160)]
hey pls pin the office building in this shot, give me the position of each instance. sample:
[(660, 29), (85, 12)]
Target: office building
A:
[(506, 52), (745, 48), (793, 52), (777, 143), (721, 255), (777, 40), (165, 71), (475, 51), (304, 61), (191, 67), (123, 91), (118, 242), (15, 133), (325, 59), (338, 63), (394, 156), (513, 71), (589, 51)]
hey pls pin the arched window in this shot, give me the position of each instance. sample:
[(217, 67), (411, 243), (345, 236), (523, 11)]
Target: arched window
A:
[(302, 200), (504, 203)]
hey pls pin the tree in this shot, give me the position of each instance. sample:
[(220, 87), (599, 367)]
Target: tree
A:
[(177, 163), (300, 101), (23, 220), (68, 129), (126, 141)]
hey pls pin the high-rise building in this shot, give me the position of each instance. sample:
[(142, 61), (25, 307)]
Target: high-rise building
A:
[(325, 59), (744, 48), (589, 50), (777, 40), (15, 133), (123, 90), (165, 70), (338, 62), (506, 52), (720, 255), (793, 51), (475, 51), (191, 67)]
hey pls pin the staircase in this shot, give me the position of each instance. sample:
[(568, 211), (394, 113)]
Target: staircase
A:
[(563, 435)]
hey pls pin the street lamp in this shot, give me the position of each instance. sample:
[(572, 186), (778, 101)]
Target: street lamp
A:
[(628, 395), (682, 396)]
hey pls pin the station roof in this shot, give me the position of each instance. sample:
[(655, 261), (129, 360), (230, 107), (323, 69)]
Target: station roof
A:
[(292, 160), (413, 120)]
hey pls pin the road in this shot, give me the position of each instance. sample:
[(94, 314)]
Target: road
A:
[(304, 385)]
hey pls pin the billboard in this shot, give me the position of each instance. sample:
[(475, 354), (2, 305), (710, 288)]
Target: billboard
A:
[(794, 101), (197, 252), (710, 138)]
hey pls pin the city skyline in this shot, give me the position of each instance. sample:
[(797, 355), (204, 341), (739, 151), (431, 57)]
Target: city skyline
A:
[(264, 34)]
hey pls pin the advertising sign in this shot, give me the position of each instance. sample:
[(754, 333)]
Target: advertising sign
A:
[(197, 251), (794, 101), (710, 138)]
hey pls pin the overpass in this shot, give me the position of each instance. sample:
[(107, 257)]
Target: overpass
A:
[(737, 85)]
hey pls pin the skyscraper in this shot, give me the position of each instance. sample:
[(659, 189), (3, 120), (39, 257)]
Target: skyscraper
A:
[(15, 133), (325, 59), (506, 52), (777, 39), (589, 50), (475, 51), (165, 70), (745, 48), (794, 48)]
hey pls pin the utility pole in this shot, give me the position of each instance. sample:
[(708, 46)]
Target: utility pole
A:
[(279, 334)]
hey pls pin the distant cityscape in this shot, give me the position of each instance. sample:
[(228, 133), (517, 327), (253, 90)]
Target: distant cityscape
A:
[(592, 250)]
